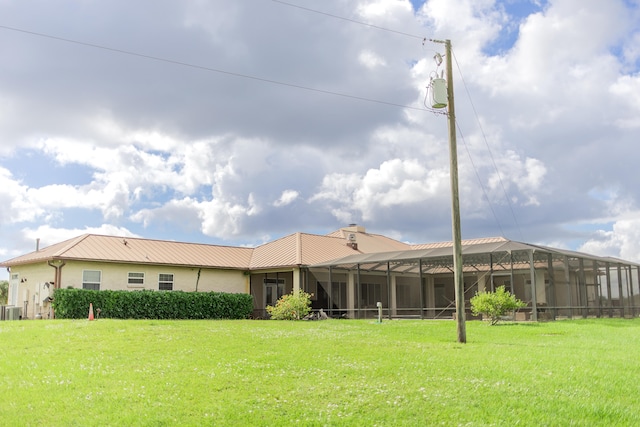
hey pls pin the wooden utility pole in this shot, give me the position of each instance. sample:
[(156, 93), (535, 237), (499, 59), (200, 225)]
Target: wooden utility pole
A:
[(455, 199)]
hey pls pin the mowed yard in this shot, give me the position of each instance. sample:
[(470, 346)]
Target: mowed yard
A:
[(325, 373)]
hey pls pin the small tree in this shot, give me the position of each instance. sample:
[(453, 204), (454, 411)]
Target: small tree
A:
[(293, 306), (495, 304)]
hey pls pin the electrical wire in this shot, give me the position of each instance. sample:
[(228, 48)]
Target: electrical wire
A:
[(437, 112), (484, 137), (210, 69), (311, 89), (475, 169), (348, 19)]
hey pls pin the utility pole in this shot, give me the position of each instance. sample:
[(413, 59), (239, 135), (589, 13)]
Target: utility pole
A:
[(455, 199)]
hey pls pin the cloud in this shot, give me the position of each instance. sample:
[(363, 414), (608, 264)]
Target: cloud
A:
[(395, 183), (622, 241), (287, 197), (232, 123)]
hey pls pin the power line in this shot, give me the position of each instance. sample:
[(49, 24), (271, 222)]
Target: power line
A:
[(210, 69), (475, 169), (427, 109), (366, 24), (484, 137)]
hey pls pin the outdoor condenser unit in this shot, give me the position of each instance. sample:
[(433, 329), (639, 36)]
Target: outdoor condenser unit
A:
[(13, 313)]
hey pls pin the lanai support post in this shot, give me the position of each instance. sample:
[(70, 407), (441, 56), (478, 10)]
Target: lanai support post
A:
[(534, 296), (567, 279), (330, 291), (630, 282), (421, 289), (512, 288), (638, 277), (491, 287), (598, 284), (550, 290), (358, 291), (621, 296), (582, 289), (609, 297), (389, 289)]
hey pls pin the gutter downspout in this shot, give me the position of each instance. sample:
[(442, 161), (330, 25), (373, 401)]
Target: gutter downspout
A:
[(57, 278)]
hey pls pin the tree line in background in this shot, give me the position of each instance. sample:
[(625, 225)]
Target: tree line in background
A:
[(4, 292)]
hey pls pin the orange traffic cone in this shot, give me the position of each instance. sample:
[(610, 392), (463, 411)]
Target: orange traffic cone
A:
[(90, 311)]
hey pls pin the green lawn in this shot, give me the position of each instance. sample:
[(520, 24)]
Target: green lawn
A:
[(328, 373)]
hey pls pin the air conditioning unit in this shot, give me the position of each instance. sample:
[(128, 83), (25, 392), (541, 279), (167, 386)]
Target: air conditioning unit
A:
[(13, 313)]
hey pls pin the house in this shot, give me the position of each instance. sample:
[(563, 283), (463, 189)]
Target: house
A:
[(348, 272)]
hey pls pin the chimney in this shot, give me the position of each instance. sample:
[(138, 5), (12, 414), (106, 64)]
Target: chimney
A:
[(354, 228)]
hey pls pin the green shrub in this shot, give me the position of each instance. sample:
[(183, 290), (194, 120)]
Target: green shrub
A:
[(74, 304), (495, 304), (293, 306)]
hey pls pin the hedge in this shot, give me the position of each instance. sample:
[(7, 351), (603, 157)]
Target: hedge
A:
[(74, 304)]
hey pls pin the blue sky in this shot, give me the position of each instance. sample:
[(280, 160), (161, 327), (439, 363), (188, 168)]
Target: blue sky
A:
[(238, 124)]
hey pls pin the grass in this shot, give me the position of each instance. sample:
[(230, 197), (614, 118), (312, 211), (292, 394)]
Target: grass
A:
[(329, 373)]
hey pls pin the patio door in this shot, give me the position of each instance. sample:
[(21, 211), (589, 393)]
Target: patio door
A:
[(273, 290)]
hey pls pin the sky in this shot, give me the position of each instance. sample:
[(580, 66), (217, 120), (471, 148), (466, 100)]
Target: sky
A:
[(237, 123)]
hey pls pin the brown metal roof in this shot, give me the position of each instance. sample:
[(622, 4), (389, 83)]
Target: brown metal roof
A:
[(305, 249), (345, 247), (289, 251), (468, 242), (93, 247)]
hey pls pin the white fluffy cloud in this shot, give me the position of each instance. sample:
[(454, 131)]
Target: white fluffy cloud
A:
[(266, 119)]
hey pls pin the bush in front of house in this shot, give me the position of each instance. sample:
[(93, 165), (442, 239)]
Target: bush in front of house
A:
[(74, 304), (496, 304), (293, 306)]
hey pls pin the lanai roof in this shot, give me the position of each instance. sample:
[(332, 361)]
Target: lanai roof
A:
[(471, 250)]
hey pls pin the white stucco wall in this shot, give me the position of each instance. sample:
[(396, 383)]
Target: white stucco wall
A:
[(115, 277), (31, 279)]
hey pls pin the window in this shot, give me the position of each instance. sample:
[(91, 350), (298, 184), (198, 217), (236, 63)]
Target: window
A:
[(165, 282), (91, 279), (136, 279)]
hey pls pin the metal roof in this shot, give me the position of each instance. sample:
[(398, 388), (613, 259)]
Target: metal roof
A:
[(346, 247), (91, 247), (297, 249), (444, 251)]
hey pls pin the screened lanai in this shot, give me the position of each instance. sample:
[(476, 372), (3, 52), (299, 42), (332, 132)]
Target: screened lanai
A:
[(419, 283)]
